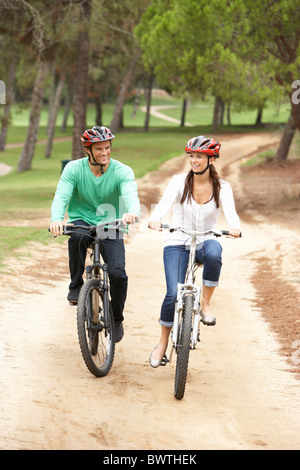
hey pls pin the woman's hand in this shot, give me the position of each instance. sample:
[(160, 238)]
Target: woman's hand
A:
[(235, 232), (154, 225)]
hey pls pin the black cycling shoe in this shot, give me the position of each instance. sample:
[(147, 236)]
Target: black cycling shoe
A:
[(119, 332), (73, 295)]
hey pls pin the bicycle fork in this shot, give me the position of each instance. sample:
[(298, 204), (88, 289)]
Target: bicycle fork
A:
[(182, 290)]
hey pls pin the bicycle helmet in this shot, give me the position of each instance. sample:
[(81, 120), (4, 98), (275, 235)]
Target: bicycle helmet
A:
[(96, 134), (204, 145)]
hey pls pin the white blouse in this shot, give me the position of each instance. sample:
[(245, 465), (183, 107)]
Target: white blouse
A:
[(193, 216)]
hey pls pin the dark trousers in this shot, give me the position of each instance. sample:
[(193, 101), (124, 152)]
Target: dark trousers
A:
[(113, 252)]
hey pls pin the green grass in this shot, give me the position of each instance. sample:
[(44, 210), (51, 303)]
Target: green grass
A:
[(260, 158), (14, 238), (201, 114)]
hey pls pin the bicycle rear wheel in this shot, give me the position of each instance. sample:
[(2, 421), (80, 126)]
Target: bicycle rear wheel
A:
[(183, 348), (96, 332)]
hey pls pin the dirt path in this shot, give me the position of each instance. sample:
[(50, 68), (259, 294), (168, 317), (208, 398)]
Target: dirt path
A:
[(241, 392), (156, 112)]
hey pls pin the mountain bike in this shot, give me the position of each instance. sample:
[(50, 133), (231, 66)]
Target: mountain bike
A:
[(95, 322), (187, 316)]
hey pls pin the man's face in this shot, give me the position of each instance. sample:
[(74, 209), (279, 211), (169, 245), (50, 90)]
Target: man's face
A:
[(101, 152)]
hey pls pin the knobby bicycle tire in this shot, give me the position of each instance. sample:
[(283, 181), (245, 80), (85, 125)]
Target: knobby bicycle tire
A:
[(183, 349), (96, 339)]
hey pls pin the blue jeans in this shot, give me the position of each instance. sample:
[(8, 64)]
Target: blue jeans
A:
[(176, 259)]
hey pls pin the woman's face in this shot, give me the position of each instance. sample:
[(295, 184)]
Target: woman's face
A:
[(198, 161)]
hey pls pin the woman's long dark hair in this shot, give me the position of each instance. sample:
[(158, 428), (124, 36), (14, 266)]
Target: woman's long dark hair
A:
[(188, 186)]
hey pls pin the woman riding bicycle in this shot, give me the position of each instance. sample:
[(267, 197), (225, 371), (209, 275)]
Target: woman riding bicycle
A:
[(197, 198)]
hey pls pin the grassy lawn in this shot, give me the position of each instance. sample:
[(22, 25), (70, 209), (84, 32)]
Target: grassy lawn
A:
[(28, 195)]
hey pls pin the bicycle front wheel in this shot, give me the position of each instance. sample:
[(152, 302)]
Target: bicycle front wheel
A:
[(95, 329), (183, 348)]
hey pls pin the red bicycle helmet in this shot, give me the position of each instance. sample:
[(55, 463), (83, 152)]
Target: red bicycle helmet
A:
[(204, 145), (96, 134)]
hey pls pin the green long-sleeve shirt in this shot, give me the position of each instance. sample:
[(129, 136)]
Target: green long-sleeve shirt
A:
[(95, 199)]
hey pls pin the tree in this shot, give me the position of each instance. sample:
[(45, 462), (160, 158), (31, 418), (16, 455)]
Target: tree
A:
[(123, 23), (39, 86), (53, 114), (116, 119), (274, 35), (193, 60), (8, 71), (81, 78), (34, 118)]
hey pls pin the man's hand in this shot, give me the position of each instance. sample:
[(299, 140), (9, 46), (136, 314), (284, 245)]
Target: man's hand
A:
[(56, 228), (130, 218)]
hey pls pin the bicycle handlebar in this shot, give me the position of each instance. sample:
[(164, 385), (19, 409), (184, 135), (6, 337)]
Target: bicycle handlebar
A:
[(115, 224), (194, 232)]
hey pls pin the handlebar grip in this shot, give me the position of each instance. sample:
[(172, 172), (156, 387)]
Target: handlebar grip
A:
[(66, 230), (226, 232)]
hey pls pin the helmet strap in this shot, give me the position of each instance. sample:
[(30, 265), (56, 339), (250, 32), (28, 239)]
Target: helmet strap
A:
[(95, 162), (202, 172)]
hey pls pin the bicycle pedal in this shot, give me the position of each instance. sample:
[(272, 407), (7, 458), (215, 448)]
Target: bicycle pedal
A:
[(164, 361)]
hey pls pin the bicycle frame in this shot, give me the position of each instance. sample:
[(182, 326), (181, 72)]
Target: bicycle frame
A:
[(94, 271), (189, 288)]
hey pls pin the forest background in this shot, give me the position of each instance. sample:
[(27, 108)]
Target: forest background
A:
[(223, 66)]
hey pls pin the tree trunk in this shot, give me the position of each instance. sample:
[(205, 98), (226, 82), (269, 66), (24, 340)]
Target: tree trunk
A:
[(259, 116), (9, 100), (185, 104), (81, 82), (98, 105), (51, 73), (286, 140), (116, 119), (221, 112), (34, 118), (149, 97), (136, 101), (228, 115), (217, 106), (52, 120), (68, 105)]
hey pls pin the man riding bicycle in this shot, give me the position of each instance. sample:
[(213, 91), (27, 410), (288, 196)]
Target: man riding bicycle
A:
[(94, 190)]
